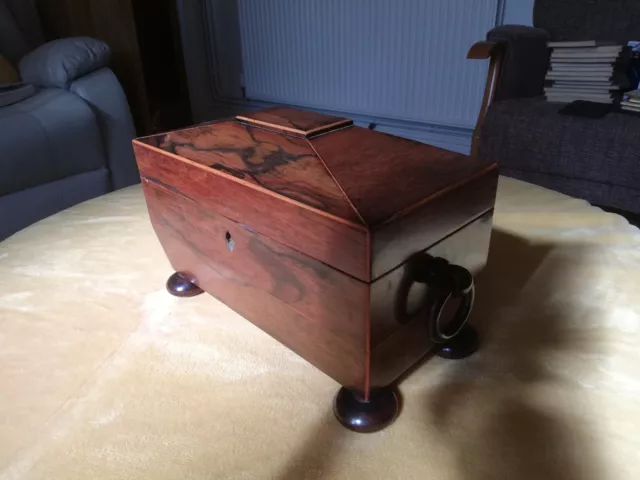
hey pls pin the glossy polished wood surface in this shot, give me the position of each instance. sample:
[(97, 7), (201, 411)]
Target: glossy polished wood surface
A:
[(281, 164), (495, 52), (398, 343), (379, 410), (307, 234), (369, 186), (301, 123), (463, 345), (484, 49), (386, 176), (313, 309), (424, 226), (179, 285), (329, 239)]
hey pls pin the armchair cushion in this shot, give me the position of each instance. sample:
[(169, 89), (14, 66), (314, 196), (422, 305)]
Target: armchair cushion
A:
[(525, 62), (589, 19), (47, 137), (529, 139), (60, 62), (102, 92)]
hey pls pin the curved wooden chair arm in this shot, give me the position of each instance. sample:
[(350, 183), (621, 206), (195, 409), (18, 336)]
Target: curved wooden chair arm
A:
[(495, 52), (484, 49)]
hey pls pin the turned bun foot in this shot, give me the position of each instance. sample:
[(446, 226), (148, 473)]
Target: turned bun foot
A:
[(462, 345), (366, 416), (180, 286)]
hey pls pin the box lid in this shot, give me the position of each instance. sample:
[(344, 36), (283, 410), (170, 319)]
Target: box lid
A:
[(356, 176), (300, 123), (324, 162)]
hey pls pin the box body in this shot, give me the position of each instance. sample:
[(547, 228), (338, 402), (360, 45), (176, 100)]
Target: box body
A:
[(303, 224)]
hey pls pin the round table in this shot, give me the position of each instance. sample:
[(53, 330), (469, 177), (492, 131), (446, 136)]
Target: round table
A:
[(104, 375)]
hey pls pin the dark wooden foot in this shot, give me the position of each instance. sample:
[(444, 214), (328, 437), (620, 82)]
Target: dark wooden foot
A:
[(365, 417), (462, 345), (181, 286)]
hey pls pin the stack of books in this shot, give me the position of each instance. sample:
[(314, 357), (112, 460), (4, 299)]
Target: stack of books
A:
[(588, 70), (631, 102)]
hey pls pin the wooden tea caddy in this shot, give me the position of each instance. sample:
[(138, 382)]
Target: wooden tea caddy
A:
[(354, 248)]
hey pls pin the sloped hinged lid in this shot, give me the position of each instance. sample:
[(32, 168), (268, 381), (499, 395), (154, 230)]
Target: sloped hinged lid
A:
[(324, 162), (299, 123), (379, 175), (354, 184)]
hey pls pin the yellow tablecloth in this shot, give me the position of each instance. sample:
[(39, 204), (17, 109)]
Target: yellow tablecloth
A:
[(104, 375)]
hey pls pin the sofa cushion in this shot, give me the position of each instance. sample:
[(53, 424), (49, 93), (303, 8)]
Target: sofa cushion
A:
[(46, 137), (60, 62), (588, 19), (529, 135)]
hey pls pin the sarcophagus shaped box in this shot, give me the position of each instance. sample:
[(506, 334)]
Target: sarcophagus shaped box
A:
[(353, 248)]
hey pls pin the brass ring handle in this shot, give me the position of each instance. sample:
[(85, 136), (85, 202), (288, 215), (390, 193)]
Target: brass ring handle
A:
[(458, 284), (445, 282)]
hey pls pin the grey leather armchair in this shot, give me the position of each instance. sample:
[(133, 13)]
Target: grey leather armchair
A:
[(71, 140)]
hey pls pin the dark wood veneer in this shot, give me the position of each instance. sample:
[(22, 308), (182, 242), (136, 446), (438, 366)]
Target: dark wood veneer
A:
[(385, 176), (393, 242), (317, 232), (300, 301), (300, 123), (329, 239), (397, 344), (495, 52), (281, 164)]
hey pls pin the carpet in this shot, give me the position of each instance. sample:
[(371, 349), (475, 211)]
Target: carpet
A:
[(103, 375)]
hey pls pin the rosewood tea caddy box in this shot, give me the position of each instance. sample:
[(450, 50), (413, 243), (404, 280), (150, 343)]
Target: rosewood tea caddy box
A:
[(353, 248)]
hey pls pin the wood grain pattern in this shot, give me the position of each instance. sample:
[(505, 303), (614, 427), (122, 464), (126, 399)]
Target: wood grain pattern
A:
[(483, 50), (311, 308), (331, 240), (384, 176), (395, 347), (301, 123), (479, 51), (308, 238), (393, 242), (281, 164)]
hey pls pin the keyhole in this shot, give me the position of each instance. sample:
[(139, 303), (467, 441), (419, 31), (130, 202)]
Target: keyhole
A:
[(230, 243)]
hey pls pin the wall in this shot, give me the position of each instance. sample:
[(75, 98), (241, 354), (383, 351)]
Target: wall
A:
[(397, 64), (402, 61), (518, 12)]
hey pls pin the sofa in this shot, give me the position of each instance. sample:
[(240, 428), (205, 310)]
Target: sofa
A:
[(71, 140), (595, 159)]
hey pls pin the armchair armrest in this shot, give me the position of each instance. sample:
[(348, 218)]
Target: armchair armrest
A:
[(485, 49), (519, 57), (495, 52), (60, 62)]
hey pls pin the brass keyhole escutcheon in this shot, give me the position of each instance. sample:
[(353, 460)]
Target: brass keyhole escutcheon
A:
[(230, 243)]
